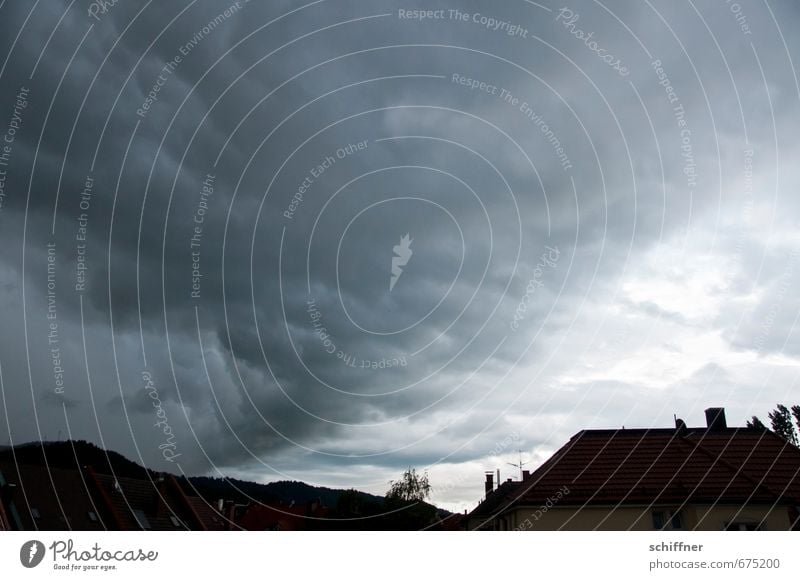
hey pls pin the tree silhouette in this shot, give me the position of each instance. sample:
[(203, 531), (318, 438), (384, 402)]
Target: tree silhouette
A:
[(350, 504), (781, 421), (406, 505), (755, 423), (411, 487), (796, 413)]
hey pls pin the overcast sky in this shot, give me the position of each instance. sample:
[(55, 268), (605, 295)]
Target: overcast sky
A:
[(600, 204)]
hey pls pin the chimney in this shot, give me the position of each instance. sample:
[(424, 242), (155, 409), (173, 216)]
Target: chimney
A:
[(232, 516), (159, 497), (715, 419), (525, 474), (489, 482)]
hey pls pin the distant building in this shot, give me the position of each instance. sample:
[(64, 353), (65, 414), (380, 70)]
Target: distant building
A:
[(86, 500), (708, 478), (27, 501), (285, 517)]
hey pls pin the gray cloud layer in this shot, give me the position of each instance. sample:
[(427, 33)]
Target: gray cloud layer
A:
[(666, 189)]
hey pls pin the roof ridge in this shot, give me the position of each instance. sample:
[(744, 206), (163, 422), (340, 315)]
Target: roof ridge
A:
[(786, 444)]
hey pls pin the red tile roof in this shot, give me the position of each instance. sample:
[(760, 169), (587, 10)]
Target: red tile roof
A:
[(259, 517), (210, 517), (635, 466), (49, 499), (160, 504)]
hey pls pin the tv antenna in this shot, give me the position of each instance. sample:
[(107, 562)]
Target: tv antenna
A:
[(520, 464)]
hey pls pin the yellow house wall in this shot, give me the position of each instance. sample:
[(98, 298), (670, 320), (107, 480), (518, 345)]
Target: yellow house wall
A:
[(700, 517)]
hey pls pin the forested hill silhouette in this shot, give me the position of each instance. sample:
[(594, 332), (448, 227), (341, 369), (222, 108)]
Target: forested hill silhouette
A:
[(79, 453), (71, 455)]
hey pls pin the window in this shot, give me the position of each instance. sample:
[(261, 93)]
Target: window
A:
[(175, 521), (667, 520), (658, 520), (92, 516), (742, 527), (35, 513), (142, 520)]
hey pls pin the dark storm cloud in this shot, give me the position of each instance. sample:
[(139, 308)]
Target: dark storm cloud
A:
[(571, 156)]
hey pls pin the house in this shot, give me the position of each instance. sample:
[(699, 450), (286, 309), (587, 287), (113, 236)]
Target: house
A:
[(707, 478), (38, 497), (159, 503), (285, 517), (27, 501)]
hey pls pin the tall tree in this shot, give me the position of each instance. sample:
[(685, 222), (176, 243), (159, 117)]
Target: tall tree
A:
[(796, 413), (755, 423), (411, 487), (406, 505), (781, 421)]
